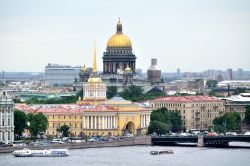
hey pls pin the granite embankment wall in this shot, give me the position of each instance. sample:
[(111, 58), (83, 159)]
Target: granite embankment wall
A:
[(144, 140)]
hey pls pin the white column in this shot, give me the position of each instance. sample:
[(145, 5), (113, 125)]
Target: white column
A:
[(112, 122), (115, 122), (6, 137), (103, 122), (84, 125), (146, 120), (1, 136), (95, 123), (91, 122), (99, 122), (108, 122), (87, 122), (12, 136), (141, 121), (143, 125)]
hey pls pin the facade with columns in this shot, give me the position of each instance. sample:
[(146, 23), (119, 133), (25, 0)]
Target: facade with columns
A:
[(103, 120), (6, 119)]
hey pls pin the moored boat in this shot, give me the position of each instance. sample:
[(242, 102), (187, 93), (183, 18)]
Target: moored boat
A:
[(167, 151), (41, 153)]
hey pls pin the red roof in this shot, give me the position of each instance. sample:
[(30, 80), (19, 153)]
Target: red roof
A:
[(63, 108), (186, 99)]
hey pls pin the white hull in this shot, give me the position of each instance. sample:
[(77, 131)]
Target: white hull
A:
[(41, 153)]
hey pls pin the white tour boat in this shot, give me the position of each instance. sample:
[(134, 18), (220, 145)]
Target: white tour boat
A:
[(41, 153)]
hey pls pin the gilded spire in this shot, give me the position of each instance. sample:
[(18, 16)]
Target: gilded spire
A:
[(84, 68), (94, 62)]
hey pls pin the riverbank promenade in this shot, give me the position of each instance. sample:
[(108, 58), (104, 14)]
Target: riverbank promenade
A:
[(142, 140)]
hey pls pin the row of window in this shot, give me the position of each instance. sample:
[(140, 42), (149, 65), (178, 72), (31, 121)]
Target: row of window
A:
[(3, 135), (209, 116), (119, 51), (167, 105), (63, 116), (208, 110), (3, 122), (70, 125)]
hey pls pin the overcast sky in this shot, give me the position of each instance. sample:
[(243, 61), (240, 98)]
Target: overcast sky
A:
[(193, 35)]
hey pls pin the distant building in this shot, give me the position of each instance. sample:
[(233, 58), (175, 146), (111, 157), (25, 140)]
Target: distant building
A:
[(154, 74), (237, 103), (197, 112), (61, 74), (230, 74), (178, 73), (6, 119)]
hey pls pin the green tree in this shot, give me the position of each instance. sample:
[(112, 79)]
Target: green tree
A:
[(158, 127), (176, 122), (230, 121), (212, 93), (247, 115), (211, 83), (64, 129), (20, 121), (239, 90), (171, 118), (79, 94), (37, 123), (133, 93), (111, 91)]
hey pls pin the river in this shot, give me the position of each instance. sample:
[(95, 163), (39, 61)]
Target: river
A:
[(138, 156)]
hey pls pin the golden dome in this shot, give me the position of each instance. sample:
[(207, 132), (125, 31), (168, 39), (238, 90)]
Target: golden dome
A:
[(119, 40), (94, 80), (127, 69)]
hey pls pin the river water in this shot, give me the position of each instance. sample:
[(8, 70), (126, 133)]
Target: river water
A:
[(138, 156)]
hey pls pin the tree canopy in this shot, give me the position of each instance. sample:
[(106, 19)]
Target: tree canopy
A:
[(158, 127), (135, 93), (239, 90), (20, 121), (211, 83), (247, 115), (64, 129), (37, 123), (230, 121), (171, 120), (111, 91)]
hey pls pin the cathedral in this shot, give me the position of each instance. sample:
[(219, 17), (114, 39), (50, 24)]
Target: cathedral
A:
[(119, 53)]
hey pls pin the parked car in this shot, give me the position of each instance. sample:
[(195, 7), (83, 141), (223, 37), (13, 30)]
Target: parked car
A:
[(92, 139), (212, 134), (58, 141), (231, 133), (247, 133), (129, 135)]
